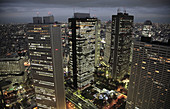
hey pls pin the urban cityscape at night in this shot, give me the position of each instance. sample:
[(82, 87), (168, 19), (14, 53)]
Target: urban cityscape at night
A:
[(84, 54)]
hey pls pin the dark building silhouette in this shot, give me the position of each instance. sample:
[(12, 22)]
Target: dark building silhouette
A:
[(48, 19), (37, 20)]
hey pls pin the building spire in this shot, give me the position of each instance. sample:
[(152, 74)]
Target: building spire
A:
[(118, 10), (38, 14)]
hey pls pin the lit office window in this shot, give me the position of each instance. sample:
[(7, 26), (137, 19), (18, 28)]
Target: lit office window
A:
[(46, 83), (156, 71), (30, 37)]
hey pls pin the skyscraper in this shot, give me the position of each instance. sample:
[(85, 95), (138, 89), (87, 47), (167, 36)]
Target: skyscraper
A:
[(149, 86), (97, 43), (83, 34), (45, 52), (121, 42), (107, 49)]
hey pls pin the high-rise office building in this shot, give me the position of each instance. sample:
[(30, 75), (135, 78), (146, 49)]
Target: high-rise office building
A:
[(97, 43), (149, 86), (45, 50), (107, 49), (147, 29), (37, 20), (83, 33), (48, 19), (121, 42)]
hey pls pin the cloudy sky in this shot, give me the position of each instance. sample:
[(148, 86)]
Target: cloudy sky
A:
[(22, 11)]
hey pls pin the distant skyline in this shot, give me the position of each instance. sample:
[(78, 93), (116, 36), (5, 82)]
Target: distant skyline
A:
[(22, 11)]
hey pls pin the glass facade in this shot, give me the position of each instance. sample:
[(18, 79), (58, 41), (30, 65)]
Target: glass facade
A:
[(82, 48), (121, 43), (108, 43)]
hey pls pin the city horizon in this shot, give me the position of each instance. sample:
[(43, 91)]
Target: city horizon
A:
[(84, 54), (21, 11)]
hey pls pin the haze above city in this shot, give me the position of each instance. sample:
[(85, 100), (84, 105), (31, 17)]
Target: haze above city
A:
[(22, 11)]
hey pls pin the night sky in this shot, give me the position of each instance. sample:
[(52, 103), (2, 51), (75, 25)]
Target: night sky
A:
[(22, 11)]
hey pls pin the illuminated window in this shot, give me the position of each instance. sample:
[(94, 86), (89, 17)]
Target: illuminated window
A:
[(149, 76), (143, 62), (149, 73), (148, 45), (49, 57), (42, 37), (46, 83), (30, 37), (32, 48), (167, 61), (161, 57), (44, 73), (143, 67), (34, 44), (37, 28), (156, 71)]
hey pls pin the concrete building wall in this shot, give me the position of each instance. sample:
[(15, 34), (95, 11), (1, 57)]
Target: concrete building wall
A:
[(46, 64), (149, 80), (82, 54)]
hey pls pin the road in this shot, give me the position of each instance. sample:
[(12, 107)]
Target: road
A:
[(78, 101)]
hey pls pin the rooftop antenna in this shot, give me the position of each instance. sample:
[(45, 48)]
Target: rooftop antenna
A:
[(49, 13), (118, 10), (89, 10), (74, 10), (38, 14), (124, 10)]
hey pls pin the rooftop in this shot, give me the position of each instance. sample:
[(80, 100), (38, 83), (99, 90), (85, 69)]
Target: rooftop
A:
[(150, 41), (81, 15), (10, 59), (147, 22)]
